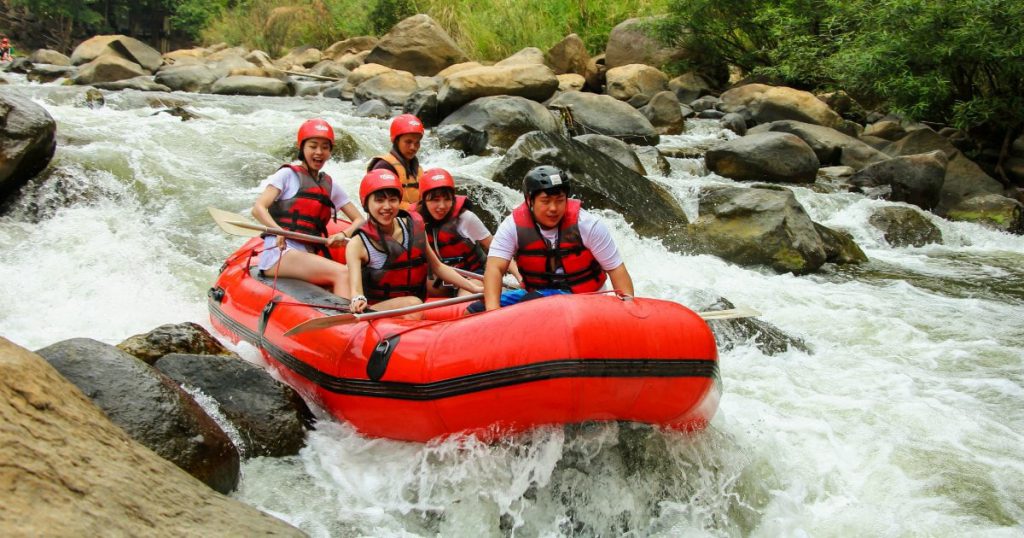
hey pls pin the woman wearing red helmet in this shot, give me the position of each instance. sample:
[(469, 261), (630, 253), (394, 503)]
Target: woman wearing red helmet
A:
[(6, 50), (301, 197), (406, 134), (388, 265), (455, 233)]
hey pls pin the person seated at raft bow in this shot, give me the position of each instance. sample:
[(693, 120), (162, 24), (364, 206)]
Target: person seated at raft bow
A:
[(559, 247), (456, 234), (406, 134), (390, 260), (301, 197)]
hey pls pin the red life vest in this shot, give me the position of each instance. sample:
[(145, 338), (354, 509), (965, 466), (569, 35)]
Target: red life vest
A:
[(410, 181), (405, 270), (310, 209), (539, 264), (452, 248)]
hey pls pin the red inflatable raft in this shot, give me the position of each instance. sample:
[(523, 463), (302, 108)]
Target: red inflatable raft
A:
[(556, 360)]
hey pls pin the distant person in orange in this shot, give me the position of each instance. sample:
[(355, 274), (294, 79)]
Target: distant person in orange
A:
[(406, 134), (6, 50)]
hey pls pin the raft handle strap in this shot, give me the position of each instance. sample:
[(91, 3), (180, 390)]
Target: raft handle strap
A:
[(378, 362)]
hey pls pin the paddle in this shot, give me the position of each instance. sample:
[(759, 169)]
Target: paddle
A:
[(342, 319), (236, 224), (732, 313)]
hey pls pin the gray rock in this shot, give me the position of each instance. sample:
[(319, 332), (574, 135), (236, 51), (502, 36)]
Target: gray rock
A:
[(624, 82), (665, 113), (568, 56), (27, 141), (505, 118), (616, 149), (690, 86), (144, 83), (831, 146), (634, 41), (49, 73), (766, 337), (532, 81), (270, 416), (905, 227), (51, 57), (763, 104), (600, 181), (654, 162), (188, 78), (423, 105), (840, 247), (601, 114), (735, 123), (774, 157), (392, 87), (992, 211), (187, 337), (108, 68), (373, 108), (419, 45), (914, 179), (150, 407), (246, 85), (468, 140), (525, 56)]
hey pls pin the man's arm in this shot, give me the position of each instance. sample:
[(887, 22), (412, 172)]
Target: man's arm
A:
[(621, 280), (493, 273)]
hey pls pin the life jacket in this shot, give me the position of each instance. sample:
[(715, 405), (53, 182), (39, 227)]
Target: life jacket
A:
[(310, 209), (539, 264), (452, 248), (410, 182), (405, 270)]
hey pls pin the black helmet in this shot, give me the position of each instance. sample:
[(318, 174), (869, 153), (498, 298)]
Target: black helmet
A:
[(545, 177)]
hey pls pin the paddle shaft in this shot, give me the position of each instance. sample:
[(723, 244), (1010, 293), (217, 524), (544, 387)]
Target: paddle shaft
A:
[(279, 231)]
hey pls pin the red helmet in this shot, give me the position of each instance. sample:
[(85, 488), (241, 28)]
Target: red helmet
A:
[(315, 128), (405, 124), (378, 180), (435, 178)]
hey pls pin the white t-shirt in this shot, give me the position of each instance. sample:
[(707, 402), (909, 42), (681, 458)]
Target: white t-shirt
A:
[(593, 232), (287, 181), (471, 227)]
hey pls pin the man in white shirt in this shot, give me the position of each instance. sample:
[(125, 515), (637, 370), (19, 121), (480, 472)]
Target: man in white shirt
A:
[(558, 246)]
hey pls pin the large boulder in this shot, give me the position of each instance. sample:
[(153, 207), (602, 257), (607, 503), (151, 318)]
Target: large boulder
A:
[(602, 114), (905, 227), (568, 56), (689, 87), (832, 147), (665, 113), (392, 87), (599, 180), (125, 47), (419, 45), (47, 56), (525, 56), (775, 157), (762, 104), (187, 337), (616, 149), (92, 48), (752, 227), (532, 81), (965, 180), (633, 41), (68, 471), (504, 117), (151, 407), (248, 85), (626, 81), (992, 211), (304, 56), (27, 141), (350, 46), (914, 179), (270, 417), (108, 68), (188, 78)]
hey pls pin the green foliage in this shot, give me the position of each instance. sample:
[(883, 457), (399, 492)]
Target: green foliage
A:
[(191, 16), (387, 13), (957, 62)]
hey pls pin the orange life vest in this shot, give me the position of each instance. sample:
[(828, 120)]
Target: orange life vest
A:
[(410, 182), (539, 263)]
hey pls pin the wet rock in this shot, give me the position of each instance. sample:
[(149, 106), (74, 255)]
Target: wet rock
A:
[(150, 407), (840, 247), (270, 416), (93, 98), (468, 140), (914, 179), (774, 157), (568, 56), (602, 114), (108, 68), (599, 180), (735, 123), (373, 108), (27, 142), (654, 162), (143, 84), (185, 115), (624, 82), (766, 337), (665, 113), (20, 65), (246, 85), (532, 81), (708, 102), (71, 472), (49, 73), (187, 337), (964, 180), (423, 105), (690, 86), (751, 227), (763, 104), (905, 227), (504, 118), (137, 52), (992, 211), (419, 45), (711, 114), (616, 149), (831, 146)]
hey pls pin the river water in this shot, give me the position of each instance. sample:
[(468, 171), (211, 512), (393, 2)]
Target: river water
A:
[(904, 419)]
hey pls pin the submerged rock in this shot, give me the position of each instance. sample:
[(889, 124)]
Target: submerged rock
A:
[(991, 210), (27, 142), (905, 227), (187, 337)]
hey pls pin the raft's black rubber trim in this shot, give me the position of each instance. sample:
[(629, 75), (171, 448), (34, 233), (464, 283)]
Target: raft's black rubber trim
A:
[(625, 368)]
